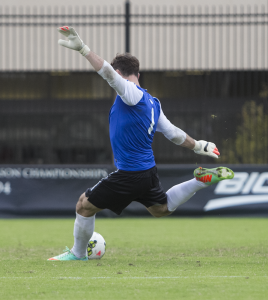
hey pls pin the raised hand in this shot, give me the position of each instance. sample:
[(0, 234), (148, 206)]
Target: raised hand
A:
[(74, 41)]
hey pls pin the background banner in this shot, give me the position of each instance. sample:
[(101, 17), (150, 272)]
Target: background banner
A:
[(47, 191)]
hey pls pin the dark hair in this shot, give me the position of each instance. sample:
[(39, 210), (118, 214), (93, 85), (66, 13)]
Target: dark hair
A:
[(126, 63)]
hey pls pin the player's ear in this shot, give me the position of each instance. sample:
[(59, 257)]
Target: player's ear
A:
[(117, 71)]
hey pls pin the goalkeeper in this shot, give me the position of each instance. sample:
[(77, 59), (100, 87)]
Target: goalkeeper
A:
[(134, 118)]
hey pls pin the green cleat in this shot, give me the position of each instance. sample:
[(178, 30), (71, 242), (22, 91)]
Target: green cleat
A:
[(67, 255), (211, 176)]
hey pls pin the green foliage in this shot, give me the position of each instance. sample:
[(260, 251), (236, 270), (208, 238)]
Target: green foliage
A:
[(251, 143), (167, 258)]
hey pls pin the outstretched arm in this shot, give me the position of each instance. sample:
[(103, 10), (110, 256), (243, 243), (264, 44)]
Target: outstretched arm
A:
[(125, 89), (179, 137)]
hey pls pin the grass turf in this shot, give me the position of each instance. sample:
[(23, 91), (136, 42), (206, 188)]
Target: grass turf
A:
[(147, 258)]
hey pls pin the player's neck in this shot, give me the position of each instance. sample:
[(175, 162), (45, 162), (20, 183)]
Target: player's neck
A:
[(134, 79)]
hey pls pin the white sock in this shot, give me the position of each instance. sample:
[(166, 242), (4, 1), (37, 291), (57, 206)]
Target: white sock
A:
[(182, 192), (83, 230)]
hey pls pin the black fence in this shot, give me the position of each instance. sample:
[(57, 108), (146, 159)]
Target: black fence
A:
[(163, 38), (208, 67)]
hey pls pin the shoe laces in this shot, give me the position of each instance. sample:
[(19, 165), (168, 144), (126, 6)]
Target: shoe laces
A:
[(66, 252)]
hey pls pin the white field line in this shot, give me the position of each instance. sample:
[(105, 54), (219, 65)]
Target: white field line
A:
[(118, 277)]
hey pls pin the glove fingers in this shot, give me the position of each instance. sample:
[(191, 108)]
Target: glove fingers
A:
[(64, 30), (75, 34), (63, 43), (216, 151), (72, 31), (213, 149)]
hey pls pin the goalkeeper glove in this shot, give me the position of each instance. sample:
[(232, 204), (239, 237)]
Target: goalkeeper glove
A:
[(206, 148), (74, 41)]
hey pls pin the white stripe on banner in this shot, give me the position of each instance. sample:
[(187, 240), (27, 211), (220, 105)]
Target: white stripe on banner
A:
[(235, 201)]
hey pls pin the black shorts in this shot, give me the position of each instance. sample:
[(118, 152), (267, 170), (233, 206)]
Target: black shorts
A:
[(120, 188)]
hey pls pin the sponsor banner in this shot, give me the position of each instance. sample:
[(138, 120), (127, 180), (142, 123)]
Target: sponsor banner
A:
[(35, 191), (45, 190)]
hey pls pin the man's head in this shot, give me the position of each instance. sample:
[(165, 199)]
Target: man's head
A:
[(126, 64)]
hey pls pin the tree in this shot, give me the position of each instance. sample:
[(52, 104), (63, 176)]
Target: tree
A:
[(251, 143)]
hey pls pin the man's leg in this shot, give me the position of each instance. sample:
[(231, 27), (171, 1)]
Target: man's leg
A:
[(83, 230), (83, 226), (176, 196), (182, 192)]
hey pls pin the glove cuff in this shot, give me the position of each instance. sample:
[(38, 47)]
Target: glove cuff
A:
[(197, 146), (85, 50)]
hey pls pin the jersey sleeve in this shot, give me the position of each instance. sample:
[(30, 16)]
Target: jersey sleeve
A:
[(170, 131), (127, 90)]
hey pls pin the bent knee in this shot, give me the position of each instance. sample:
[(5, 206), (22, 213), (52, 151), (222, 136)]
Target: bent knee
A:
[(159, 211), (85, 208), (81, 201), (161, 214), (157, 215)]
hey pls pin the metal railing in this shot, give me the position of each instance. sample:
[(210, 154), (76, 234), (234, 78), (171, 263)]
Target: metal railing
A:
[(163, 39)]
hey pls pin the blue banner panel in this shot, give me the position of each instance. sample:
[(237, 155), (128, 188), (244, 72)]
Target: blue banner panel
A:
[(47, 191)]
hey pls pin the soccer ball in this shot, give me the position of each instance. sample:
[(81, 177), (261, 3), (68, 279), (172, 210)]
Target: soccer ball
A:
[(96, 246)]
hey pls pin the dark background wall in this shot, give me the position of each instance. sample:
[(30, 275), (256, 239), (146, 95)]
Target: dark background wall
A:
[(62, 117)]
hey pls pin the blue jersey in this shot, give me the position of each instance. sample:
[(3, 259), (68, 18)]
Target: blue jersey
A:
[(132, 130)]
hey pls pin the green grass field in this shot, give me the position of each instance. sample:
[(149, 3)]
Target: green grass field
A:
[(169, 258)]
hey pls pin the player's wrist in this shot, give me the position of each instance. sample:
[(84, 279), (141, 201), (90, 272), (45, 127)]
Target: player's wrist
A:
[(85, 50)]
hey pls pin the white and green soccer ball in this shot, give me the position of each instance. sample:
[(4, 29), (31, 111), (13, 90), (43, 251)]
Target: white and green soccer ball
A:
[(96, 246)]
